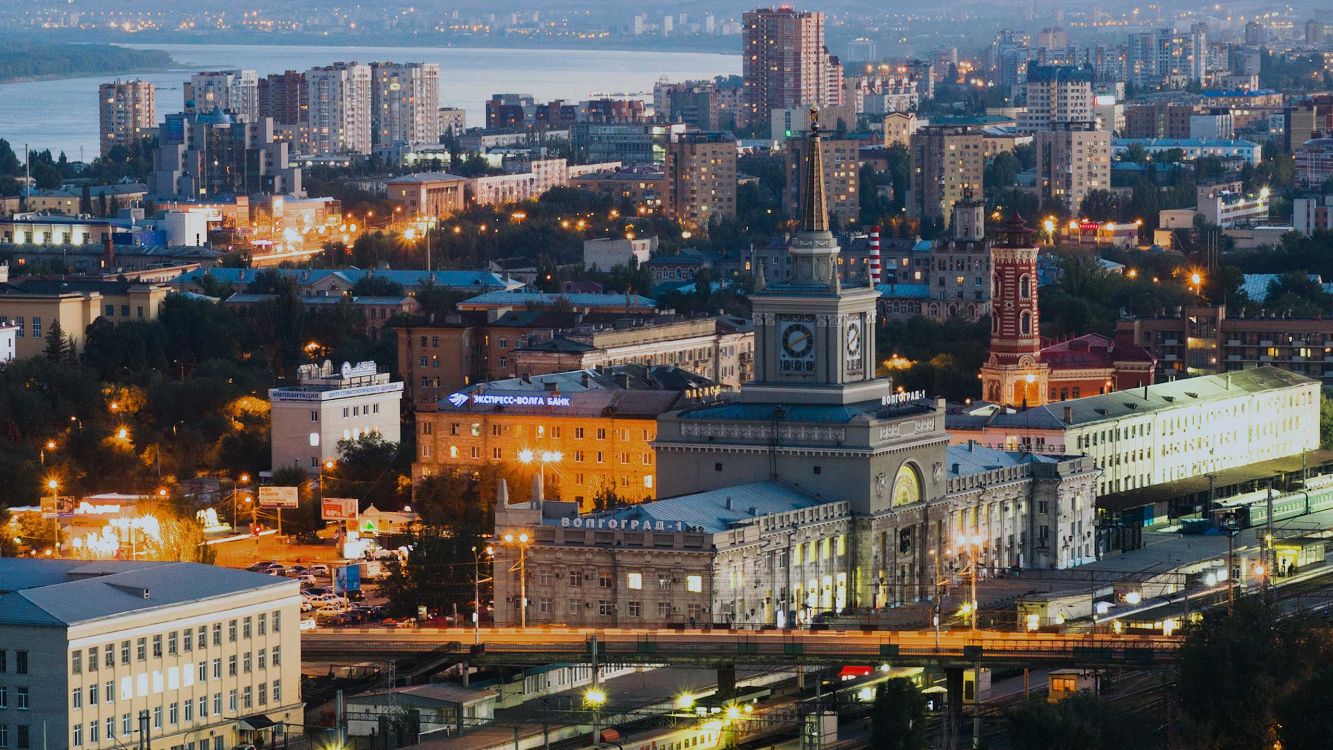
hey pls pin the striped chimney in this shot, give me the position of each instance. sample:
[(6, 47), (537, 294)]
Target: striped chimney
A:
[(875, 276)]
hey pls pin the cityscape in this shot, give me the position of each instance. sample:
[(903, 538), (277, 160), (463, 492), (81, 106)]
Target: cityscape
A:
[(579, 376)]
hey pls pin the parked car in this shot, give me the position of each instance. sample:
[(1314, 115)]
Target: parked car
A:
[(308, 624), (277, 570), (318, 570), (306, 579), (317, 590), (307, 605)]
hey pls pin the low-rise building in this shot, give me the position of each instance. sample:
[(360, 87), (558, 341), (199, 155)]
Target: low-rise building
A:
[(643, 186), (1193, 148), (328, 405), (605, 253), (438, 194), (337, 282), (605, 303), (1168, 431), (720, 349), (1228, 206), (589, 432), (542, 175), (100, 653), (34, 305), (1312, 214)]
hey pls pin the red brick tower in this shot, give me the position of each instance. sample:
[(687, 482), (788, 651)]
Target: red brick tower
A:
[(1014, 374)]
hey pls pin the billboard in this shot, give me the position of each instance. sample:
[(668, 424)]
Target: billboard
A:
[(346, 578), (338, 508), (52, 507), (278, 497)]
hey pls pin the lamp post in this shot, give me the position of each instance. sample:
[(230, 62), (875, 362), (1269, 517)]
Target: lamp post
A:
[(235, 492), (595, 698), (528, 456), (53, 484), (973, 543), (521, 540), (476, 589)]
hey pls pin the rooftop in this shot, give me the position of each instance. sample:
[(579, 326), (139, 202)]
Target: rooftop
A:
[(717, 510), (58, 593), (578, 300), (426, 177)]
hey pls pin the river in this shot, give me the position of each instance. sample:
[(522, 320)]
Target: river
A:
[(62, 114)]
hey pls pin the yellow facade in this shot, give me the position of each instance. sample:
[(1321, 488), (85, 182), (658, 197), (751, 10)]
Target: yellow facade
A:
[(595, 453)]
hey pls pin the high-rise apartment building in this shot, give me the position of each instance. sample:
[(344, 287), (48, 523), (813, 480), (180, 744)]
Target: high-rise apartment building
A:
[(842, 177), (1056, 95), (406, 100), (786, 63), (234, 91), (1072, 160), (947, 163), (126, 111), (701, 178), (340, 108), (283, 96)]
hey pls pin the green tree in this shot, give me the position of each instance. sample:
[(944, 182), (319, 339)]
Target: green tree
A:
[(1237, 670), (1326, 420), (1304, 718), (58, 348), (1081, 722), (898, 716)]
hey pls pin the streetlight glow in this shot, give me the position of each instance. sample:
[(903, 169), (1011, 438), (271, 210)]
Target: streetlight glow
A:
[(595, 697)]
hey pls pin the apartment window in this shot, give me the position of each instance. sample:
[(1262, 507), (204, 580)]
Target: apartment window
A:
[(36, 327), (157, 717), (231, 631), (203, 706), (263, 624), (247, 697), (4, 697), (263, 658), (125, 725), (246, 661), (76, 662), (578, 433), (231, 700), (663, 610), (634, 581), (277, 656), (263, 693), (605, 608), (575, 578), (187, 639), (636, 609), (78, 735), (92, 694), (694, 584), (76, 698), (93, 727), (203, 636), (231, 665), (217, 634), (189, 710), (203, 671), (20, 662), (109, 690), (4, 735), (110, 728), (21, 732), (157, 647), (217, 702), (21, 698), (217, 669), (174, 714), (277, 621), (141, 649), (109, 657), (277, 691)]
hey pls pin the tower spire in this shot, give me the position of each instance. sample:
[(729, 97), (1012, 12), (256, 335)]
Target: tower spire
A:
[(814, 211)]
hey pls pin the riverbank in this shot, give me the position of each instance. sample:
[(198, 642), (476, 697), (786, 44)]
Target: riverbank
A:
[(26, 60)]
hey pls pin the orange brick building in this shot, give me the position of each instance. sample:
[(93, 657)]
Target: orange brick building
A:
[(590, 431)]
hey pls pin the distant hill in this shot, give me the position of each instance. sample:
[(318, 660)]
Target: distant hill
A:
[(27, 59)]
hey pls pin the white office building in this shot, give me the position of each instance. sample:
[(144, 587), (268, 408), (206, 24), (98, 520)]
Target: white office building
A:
[(328, 405), (101, 655)]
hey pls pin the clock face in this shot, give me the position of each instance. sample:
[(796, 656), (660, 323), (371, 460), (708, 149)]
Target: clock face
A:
[(854, 335), (906, 487), (796, 336)]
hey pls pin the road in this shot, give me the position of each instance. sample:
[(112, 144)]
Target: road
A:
[(544, 645)]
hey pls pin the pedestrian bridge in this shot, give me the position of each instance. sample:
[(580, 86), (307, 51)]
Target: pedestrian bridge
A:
[(547, 645)]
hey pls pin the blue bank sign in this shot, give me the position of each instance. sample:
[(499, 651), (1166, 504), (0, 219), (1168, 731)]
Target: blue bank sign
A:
[(459, 400)]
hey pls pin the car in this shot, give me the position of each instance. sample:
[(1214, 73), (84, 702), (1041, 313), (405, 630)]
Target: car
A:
[(260, 567), (244, 746), (277, 570), (307, 624), (305, 579), (307, 605), (318, 570), (317, 590)]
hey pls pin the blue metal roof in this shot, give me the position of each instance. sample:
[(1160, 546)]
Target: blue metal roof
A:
[(904, 291), (758, 412), (576, 299)]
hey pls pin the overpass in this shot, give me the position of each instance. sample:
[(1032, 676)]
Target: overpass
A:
[(548, 645)]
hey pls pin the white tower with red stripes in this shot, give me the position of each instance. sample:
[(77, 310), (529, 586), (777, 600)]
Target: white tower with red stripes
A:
[(876, 277)]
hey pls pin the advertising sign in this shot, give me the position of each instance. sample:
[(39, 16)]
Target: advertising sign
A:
[(338, 508), (346, 578), (278, 497)]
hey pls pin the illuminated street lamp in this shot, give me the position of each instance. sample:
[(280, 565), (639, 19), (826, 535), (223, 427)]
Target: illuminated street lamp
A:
[(521, 540), (973, 543), (595, 698), (477, 554), (526, 456)]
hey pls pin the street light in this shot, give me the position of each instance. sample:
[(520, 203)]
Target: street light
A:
[(489, 551), (521, 540), (527, 456), (973, 542), (595, 698)]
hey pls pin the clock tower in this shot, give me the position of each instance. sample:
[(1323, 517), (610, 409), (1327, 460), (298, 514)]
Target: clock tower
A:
[(815, 341)]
